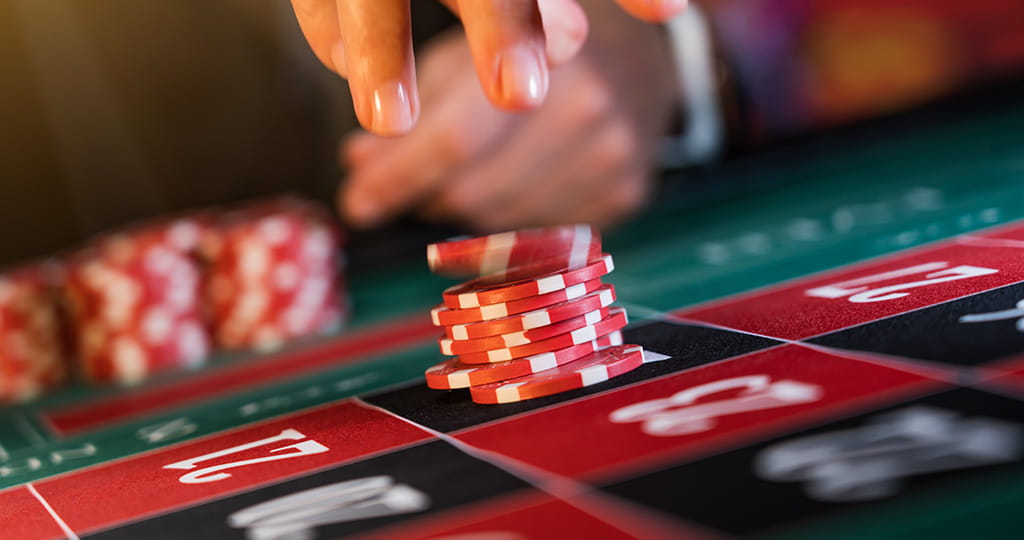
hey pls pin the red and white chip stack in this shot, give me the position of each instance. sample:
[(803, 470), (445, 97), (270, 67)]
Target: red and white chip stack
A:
[(164, 294), (538, 322), (275, 274), (135, 304), (31, 343)]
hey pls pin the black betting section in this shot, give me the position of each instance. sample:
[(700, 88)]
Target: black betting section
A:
[(939, 333), (427, 469), (689, 346), (728, 491)]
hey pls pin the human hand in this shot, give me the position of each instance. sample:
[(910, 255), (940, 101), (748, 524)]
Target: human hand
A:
[(585, 155), (513, 43)]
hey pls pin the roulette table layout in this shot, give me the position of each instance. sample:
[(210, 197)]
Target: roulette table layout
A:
[(834, 350)]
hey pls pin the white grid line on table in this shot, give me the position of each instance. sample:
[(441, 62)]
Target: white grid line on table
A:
[(559, 487), (53, 513)]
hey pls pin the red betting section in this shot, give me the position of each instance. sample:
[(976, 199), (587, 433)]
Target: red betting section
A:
[(215, 466), (24, 517), (693, 411), (866, 292)]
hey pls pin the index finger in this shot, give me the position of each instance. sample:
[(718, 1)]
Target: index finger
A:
[(318, 20), (399, 173), (379, 60)]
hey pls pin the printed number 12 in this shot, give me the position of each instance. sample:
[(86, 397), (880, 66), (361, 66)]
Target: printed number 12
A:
[(215, 473)]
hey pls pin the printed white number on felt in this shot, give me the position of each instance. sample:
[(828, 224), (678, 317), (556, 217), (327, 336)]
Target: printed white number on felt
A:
[(858, 291), (216, 473), (683, 414)]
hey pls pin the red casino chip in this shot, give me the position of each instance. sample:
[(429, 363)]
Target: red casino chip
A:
[(275, 274), (443, 316), (543, 249), (521, 283), (594, 368), (453, 347), (31, 349), (598, 299), (615, 321), (452, 374), (135, 305)]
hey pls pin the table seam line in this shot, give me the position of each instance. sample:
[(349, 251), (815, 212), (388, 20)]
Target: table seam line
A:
[(560, 487)]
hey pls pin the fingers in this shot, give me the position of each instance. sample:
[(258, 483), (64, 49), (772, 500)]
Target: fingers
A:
[(379, 62), (318, 20), (520, 175), (390, 175), (506, 38), (621, 196), (438, 72), (479, 194), (513, 41), (583, 183), (653, 10), (565, 29)]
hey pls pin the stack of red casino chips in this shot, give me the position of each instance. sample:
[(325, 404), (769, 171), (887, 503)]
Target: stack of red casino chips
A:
[(274, 274), (535, 320), (164, 294), (31, 342), (135, 301)]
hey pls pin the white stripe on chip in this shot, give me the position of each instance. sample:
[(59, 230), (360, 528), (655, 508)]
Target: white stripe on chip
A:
[(550, 284), (536, 319), (509, 392), (459, 379), (499, 355), (433, 255), (580, 246), (593, 374), (515, 339), (575, 291), (497, 252), (468, 300), (495, 311), (544, 361)]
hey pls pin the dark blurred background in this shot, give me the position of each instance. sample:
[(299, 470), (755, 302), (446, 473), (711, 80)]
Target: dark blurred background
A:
[(116, 110)]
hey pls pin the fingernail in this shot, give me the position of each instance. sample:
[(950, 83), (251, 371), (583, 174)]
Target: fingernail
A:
[(522, 76), (338, 58), (392, 109)]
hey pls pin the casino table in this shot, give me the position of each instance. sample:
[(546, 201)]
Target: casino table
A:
[(839, 330)]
